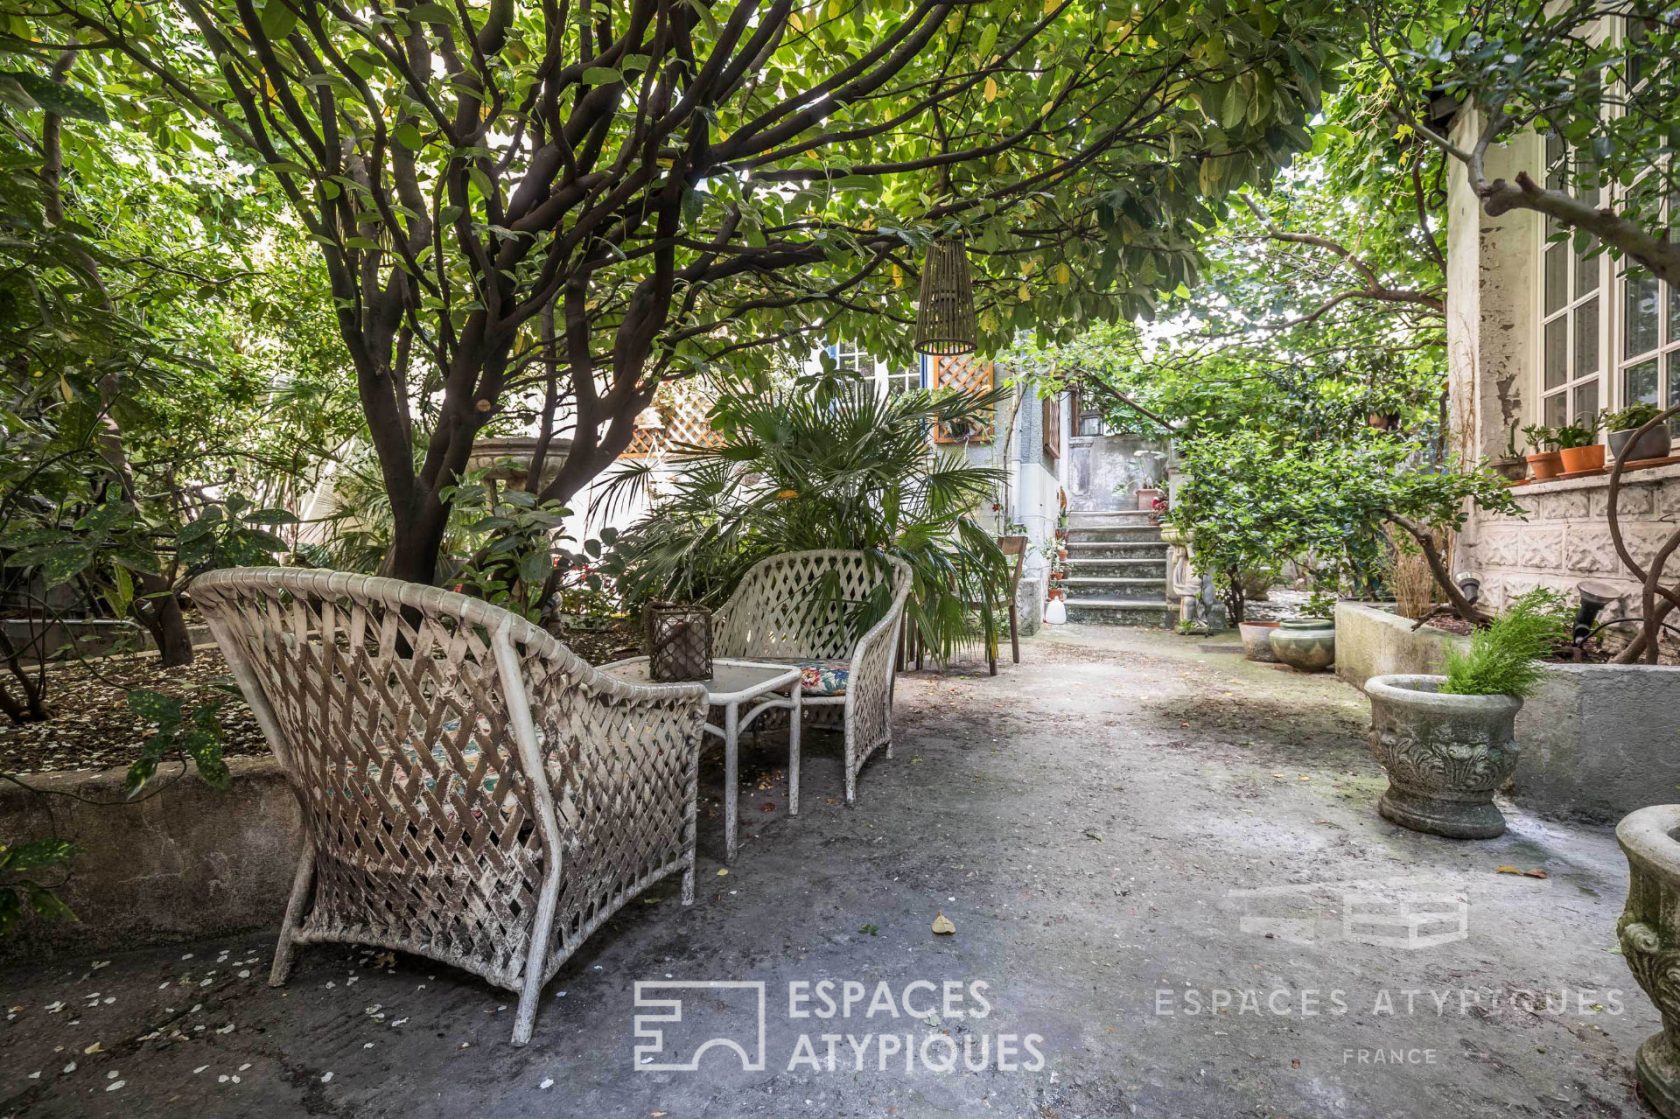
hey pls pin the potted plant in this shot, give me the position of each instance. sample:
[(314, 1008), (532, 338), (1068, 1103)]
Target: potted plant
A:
[(1578, 447), (1308, 643), (1648, 932), (1543, 459), (1447, 742), (1511, 465), (1621, 426)]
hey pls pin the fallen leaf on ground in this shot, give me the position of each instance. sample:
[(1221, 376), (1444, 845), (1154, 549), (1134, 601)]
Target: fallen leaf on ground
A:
[(942, 925)]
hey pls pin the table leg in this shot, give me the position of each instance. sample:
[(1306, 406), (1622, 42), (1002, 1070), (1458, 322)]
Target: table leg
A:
[(731, 780), (795, 718)]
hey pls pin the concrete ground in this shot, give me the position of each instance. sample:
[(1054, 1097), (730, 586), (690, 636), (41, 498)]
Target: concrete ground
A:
[(1172, 896)]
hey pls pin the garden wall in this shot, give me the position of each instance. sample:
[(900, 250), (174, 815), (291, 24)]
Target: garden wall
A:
[(189, 861), (1598, 740)]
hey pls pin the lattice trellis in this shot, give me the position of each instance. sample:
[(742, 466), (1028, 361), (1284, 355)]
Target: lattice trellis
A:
[(968, 375), (813, 606), (684, 408), (472, 791)]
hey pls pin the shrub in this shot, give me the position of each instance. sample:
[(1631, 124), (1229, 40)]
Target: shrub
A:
[(1503, 659)]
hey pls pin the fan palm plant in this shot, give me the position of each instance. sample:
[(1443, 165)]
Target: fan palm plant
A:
[(826, 463)]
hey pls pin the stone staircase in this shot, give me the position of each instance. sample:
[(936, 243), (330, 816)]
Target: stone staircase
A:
[(1117, 569)]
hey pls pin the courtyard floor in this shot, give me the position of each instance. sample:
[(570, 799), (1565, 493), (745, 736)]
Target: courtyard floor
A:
[(1171, 893)]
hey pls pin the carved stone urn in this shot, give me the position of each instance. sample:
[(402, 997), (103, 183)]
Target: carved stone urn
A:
[(1445, 755), (1304, 644), (1649, 931)]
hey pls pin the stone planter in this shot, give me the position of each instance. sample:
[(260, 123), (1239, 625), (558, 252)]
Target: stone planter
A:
[(1444, 755), (1653, 444), (1146, 498), (1511, 469), (1256, 639), (1649, 932), (1305, 644)]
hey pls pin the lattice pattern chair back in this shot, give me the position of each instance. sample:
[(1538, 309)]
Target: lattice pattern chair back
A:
[(472, 791), (786, 609)]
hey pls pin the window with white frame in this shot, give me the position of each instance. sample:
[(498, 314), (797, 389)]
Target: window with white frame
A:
[(852, 358), (1571, 308), (904, 380), (1649, 352)]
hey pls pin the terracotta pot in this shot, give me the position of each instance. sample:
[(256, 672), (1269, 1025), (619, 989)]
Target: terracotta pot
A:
[(1653, 444), (1146, 498), (1305, 644), (1649, 932), (1444, 754), (1544, 465), (1057, 594), (1256, 639), (1577, 459)]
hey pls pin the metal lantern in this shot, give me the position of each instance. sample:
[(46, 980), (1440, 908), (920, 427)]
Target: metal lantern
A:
[(945, 313), (679, 642)]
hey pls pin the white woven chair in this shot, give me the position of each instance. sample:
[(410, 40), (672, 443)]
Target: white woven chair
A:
[(472, 791), (777, 614)]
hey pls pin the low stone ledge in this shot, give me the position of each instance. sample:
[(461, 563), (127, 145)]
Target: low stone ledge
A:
[(190, 861), (1598, 740)]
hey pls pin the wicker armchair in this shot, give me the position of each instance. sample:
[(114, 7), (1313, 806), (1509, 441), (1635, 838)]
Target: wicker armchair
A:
[(472, 791), (778, 614)]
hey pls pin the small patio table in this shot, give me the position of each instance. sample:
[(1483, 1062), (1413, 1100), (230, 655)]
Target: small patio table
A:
[(734, 685)]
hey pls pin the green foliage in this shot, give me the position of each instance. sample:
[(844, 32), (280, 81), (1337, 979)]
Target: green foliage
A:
[(826, 463), (1252, 499), (182, 732), (1582, 433), (1541, 438), (1631, 418), (1504, 658), (20, 887), (516, 562)]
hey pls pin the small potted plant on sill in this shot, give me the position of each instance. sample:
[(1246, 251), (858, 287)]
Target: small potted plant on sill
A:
[(1621, 426), (1543, 459), (1511, 465), (1447, 742), (1578, 447)]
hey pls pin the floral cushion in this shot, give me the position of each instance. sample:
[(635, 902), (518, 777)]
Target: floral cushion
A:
[(824, 677)]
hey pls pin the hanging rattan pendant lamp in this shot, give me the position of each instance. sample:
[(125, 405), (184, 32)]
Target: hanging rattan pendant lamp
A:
[(945, 313)]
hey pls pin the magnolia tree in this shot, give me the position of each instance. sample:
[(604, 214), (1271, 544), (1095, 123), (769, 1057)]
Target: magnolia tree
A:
[(1602, 77), (544, 211)]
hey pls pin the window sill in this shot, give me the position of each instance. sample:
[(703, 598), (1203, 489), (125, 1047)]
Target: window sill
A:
[(1651, 470)]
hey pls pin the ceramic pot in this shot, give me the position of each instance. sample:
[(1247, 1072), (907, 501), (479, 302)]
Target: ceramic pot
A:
[(1544, 465), (1146, 498), (1444, 754), (1305, 644), (1653, 444), (1649, 932), (1256, 639), (1576, 459), (1511, 469)]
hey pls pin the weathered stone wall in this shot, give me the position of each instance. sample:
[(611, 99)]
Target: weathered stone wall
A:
[(188, 862)]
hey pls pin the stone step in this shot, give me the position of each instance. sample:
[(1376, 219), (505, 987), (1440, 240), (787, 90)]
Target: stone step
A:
[(1117, 611), (1117, 549), (1149, 568), (1100, 586), (1104, 516), (1101, 535)]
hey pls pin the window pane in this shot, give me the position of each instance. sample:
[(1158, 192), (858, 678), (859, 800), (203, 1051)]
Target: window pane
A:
[(1639, 301), (1554, 149), (1586, 268), (1557, 352), (1674, 389), (1555, 410), (1586, 400), (1641, 382), (1557, 276), (1586, 338), (1674, 314)]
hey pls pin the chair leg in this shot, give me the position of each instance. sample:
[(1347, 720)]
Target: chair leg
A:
[(1014, 634), (284, 951), (536, 955), (795, 717)]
